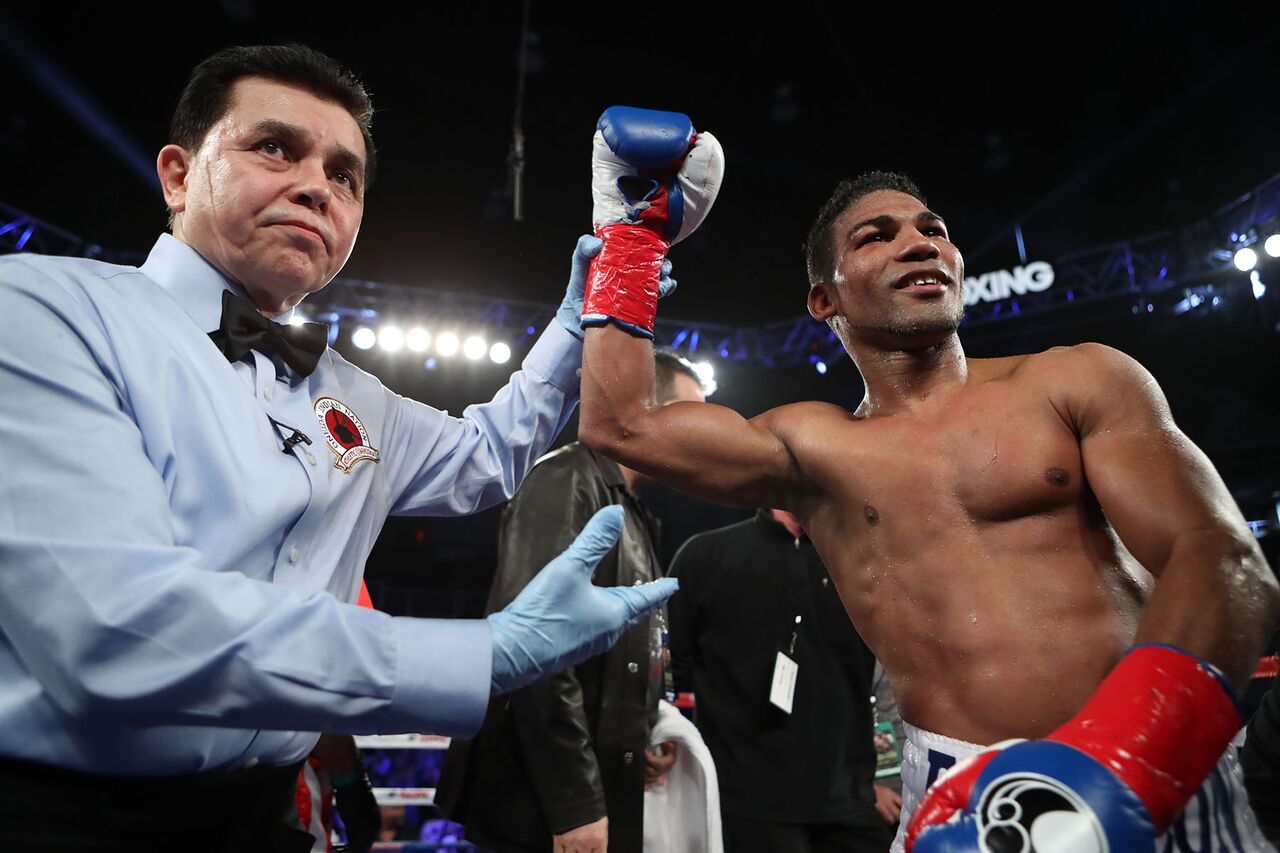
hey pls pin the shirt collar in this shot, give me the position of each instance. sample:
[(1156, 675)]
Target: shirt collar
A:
[(194, 283)]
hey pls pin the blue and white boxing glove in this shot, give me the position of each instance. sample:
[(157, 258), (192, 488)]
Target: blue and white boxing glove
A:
[(561, 619), (1112, 778), (1036, 797), (653, 181)]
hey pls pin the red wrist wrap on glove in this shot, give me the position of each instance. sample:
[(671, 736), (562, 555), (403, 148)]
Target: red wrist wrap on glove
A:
[(1160, 722), (623, 283)]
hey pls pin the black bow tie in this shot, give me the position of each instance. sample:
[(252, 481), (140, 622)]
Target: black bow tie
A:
[(243, 328)]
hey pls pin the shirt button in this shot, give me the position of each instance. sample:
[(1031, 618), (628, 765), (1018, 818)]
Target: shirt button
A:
[(294, 554), (266, 391), (633, 667), (628, 757), (824, 581), (311, 459)]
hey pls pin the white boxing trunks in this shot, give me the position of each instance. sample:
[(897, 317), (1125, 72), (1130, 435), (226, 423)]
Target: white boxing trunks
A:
[(1217, 819)]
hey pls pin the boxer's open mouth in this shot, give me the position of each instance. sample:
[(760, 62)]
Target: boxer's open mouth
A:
[(932, 279)]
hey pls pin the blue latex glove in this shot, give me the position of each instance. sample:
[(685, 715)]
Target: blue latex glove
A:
[(569, 314), (561, 619), (666, 284)]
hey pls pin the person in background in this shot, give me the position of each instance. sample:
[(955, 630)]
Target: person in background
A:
[(563, 764), (783, 689)]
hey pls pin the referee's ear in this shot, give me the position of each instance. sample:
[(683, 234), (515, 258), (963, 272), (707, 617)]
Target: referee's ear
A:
[(173, 165)]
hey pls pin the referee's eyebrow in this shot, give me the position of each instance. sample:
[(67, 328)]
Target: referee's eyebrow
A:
[(293, 136)]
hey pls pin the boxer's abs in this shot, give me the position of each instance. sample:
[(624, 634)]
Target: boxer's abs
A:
[(997, 631)]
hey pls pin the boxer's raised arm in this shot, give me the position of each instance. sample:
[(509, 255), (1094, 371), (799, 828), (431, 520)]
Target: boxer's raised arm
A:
[(708, 451), (654, 178)]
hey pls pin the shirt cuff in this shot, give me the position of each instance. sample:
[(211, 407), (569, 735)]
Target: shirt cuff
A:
[(442, 676), (556, 357)]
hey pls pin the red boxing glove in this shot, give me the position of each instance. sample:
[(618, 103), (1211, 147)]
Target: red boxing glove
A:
[(1157, 725), (1160, 722)]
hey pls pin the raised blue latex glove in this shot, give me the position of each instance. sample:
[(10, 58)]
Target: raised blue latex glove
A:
[(569, 314), (561, 618)]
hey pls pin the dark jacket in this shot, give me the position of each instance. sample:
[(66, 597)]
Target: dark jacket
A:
[(741, 589), (1260, 761), (567, 750)]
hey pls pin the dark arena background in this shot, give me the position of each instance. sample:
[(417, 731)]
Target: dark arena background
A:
[(1110, 175)]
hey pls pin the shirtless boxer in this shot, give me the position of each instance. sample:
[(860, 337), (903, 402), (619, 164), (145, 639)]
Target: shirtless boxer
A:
[(1003, 532)]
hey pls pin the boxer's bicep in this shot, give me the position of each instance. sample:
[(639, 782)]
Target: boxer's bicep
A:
[(1215, 597), (714, 453), (1154, 485), (705, 450)]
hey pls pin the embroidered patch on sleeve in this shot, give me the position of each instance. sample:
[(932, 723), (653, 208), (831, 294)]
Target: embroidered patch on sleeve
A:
[(345, 434)]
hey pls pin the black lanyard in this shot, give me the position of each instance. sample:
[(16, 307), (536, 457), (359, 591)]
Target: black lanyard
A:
[(788, 585)]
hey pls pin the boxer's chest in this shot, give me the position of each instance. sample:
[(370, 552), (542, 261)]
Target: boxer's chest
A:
[(992, 454)]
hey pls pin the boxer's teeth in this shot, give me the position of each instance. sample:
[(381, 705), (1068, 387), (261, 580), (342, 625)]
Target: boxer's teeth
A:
[(915, 282)]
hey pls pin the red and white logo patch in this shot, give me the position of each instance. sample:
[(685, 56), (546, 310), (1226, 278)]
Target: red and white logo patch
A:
[(346, 435)]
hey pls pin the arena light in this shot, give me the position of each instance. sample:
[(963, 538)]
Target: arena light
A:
[(499, 353), (391, 338), (417, 339), (1259, 289), (474, 348), (447, 344), (1272, 246), (1245, 259), (363, 338), (1191, 302), (821, 367), (706, 375)]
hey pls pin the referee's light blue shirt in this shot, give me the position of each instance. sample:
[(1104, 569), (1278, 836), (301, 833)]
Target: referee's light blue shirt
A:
[(171, 582)]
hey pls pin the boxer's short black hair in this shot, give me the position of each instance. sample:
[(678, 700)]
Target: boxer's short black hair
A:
[(819, 254), (207, 95)]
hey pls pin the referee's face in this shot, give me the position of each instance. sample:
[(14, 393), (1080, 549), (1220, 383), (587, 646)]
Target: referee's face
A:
[(275, 194)]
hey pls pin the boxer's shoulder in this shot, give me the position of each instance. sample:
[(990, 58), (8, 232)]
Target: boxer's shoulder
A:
[(1085, 361), (797, 421), (1086, 381), (1068, 376)]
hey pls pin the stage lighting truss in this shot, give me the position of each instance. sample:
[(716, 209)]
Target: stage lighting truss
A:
[(1236, 248)]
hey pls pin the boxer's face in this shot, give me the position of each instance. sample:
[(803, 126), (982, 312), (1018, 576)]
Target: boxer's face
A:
[(274, 196), (896, 273)]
